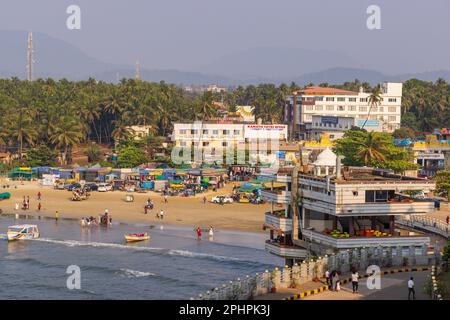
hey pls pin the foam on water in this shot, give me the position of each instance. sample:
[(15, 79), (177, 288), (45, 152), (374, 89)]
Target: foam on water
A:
[(162, 251), (136, 274)]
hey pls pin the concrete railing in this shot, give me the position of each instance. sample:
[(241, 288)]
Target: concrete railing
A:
[(425, 223), (435, 294), (292, 277)]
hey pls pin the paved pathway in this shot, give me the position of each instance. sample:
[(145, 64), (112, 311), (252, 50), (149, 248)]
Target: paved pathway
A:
[(393, 287)]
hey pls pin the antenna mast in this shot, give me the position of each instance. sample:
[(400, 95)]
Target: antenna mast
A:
[(30, 57), (137, 74)]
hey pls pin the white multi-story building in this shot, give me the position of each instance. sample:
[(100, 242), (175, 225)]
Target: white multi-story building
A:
[(323, 101), (339, 211)]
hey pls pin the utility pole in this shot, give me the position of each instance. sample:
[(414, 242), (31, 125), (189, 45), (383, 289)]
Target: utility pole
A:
[(30, 57)]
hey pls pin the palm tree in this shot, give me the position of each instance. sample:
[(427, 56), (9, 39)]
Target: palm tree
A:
[(373, 100), (373, 148), (66, 134), (121, 132), (205, 108)]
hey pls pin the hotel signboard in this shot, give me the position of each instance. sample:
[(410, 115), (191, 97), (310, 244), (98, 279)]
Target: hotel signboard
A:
[(265, 131)]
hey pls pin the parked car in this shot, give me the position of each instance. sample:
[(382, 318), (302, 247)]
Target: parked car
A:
[(73, 186), (91, 186), (222, 199), (104, 187), (61, 185)]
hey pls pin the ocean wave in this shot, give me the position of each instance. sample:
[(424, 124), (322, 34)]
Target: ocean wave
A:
[(161, 251), (136, 274)]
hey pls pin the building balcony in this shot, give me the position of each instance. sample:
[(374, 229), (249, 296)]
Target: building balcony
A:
[(359, 242), (278, 221), (285, 251), (276, 196), (371, 208)]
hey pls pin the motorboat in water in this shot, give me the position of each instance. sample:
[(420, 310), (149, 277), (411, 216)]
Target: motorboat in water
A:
[(22, 232), (134, 237)]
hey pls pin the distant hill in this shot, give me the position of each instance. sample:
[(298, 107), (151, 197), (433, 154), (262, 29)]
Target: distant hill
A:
[(58, 59)]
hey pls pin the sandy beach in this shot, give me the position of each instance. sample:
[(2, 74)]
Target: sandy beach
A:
[(188, 211)]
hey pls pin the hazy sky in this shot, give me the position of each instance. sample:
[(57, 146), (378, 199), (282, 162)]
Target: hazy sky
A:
[(185, 34)]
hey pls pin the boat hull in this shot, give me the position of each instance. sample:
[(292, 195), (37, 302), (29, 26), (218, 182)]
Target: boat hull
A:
[(136, 238)]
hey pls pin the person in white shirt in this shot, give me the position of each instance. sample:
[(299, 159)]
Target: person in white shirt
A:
[(411, 289), (355, 278), (161, 214)]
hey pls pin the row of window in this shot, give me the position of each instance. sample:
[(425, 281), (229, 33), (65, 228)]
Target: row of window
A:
[(349, 108), (204, 143), (206, 131), (342, 99), (308, 117)]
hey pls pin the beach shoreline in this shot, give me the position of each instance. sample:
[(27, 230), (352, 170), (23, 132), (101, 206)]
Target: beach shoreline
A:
[(181, 211)]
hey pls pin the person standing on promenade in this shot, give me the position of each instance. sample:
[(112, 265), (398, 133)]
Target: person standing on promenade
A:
[(411, 289), (355, 278), (327, 278)]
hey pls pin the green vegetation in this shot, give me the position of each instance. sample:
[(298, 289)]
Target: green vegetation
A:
[(443, 183), (375, 149), (130, 157), (62, 114)]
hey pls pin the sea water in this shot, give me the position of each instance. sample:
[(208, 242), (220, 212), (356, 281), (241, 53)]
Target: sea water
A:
[(173, 264)]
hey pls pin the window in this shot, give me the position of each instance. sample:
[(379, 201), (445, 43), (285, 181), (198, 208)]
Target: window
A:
[(309, 108), (215, 131), (319, 108), (225, 132), (351, 108), (319, 98), (392, 118), (182, 131), (330, 108), (205, 144), (392, 109), (392, 100), (362, 99), (195, 143), (379, 195), (308, 117), (341, 99), (330, 98), (380, 109), (194, 131), (183, 143), (237, 131), (205, 131), (362, 109), (341, 108), (355, 193), (224, 144), (352, 99)]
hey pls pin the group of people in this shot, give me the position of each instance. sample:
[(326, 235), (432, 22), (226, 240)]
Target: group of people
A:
[(104, 220), (198, 231), (333, 280), (26, 202)]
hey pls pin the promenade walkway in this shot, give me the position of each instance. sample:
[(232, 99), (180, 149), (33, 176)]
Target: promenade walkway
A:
[(393, 287)]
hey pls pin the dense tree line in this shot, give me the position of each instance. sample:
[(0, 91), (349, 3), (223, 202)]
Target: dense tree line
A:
[(61, 114)]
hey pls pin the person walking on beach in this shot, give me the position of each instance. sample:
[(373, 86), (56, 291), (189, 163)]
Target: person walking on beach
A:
[(199, 233), (166, 200), (28, 202), (204, 199), (56, 216), (211, 233), (411, 289), (39, 206), (145, 209), (355, 278), (17, 206), (39, 196), (447, 219), (161, 214)]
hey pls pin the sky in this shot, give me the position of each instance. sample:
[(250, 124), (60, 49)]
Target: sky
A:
[(188, 34)]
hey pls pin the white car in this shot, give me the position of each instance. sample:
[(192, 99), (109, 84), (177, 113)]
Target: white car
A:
[(104, 187), (222, 199)]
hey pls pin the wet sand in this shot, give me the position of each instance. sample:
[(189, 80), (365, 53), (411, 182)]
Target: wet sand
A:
[(188, 211)]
